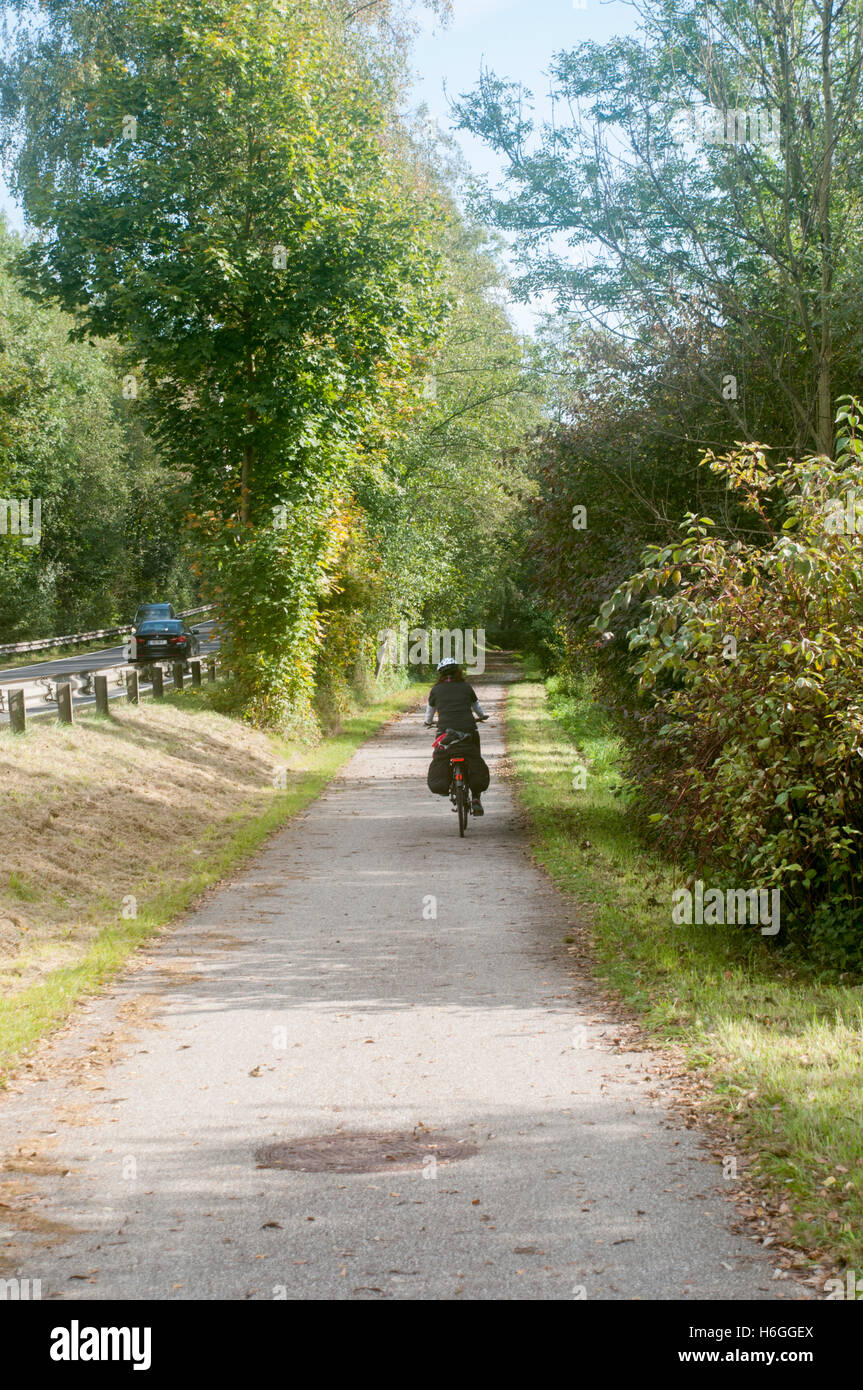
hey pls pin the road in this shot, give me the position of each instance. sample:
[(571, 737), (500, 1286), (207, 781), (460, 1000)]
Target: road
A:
[(33, 679), (367, 974)]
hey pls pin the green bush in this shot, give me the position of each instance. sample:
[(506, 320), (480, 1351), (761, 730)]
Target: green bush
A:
[(267, 583), (834, 935), (750, 653)]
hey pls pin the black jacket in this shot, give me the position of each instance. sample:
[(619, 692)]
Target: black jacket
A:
[(452, 700)]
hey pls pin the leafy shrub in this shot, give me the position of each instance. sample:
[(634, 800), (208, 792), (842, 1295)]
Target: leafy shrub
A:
[(834, 936), (268, 583), (751, 655)]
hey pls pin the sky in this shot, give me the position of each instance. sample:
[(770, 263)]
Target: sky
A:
[(514, 38)]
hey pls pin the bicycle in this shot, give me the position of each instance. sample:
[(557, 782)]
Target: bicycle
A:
[(459, 787)]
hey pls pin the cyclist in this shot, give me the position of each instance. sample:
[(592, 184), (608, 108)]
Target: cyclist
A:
[(457, 707)]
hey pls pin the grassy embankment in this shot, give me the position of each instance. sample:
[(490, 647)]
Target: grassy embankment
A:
[(779, 1051), (137, 812)]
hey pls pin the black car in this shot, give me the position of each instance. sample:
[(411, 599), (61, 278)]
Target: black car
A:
[(163, 639), (153, 610)]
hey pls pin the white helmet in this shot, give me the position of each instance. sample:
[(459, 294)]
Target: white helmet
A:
[(448, 661)]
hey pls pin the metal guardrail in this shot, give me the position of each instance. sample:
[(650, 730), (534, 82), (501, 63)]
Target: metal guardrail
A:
[(15, 700), (46, 643)]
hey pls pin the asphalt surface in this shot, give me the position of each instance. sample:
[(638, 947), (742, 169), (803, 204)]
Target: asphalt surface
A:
[(64, 666), (35, 678), (369, 972)]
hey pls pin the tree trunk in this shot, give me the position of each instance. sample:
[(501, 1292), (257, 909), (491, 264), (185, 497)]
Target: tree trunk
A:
[(245, 479), (248, 446), (825, 354)]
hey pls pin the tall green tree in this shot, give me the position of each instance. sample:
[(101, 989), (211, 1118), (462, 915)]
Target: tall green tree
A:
[(461, 465), (441, 490), (110, 512), (749, 240), (222, 187)]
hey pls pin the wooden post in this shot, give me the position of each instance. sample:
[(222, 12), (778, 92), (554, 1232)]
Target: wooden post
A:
[(211, 669), (195, 668), (158, 683), (177, 668), (132, 687), (17, 714), (64, 702), (101, 685)]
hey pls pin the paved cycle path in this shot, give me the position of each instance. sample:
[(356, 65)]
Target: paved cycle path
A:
[(367, 973)]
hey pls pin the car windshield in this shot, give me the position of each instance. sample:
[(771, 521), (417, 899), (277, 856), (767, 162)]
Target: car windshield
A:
[(162, 625)]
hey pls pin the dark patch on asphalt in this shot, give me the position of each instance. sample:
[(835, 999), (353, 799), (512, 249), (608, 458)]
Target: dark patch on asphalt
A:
[(363, 1152)]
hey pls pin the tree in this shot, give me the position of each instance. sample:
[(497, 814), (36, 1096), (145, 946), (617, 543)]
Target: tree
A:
[(749, 242), (462, 465), (222, 188), (110, 514), (437, 502)]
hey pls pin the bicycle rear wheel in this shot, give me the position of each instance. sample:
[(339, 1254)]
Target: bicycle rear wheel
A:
[(463, 809)]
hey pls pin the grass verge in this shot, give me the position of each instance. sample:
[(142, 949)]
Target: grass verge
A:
[(115, 825), (778, 1054)]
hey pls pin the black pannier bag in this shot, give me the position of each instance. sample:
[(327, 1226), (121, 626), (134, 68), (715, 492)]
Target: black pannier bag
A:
[(478, 775)]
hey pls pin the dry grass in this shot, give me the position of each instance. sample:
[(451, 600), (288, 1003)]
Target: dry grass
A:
[(113, 826), (109, 810)]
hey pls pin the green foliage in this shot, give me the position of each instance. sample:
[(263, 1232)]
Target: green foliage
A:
[(110, 512), (432, 524), (833, 933), (346, 656), (751, 651), (262, 248), (447, 526), (254, 242), (267, 583), (710, 289), (677, 238), (286, 267)]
